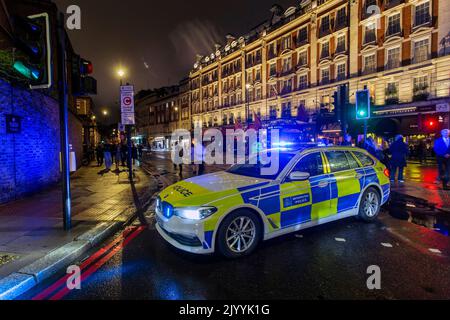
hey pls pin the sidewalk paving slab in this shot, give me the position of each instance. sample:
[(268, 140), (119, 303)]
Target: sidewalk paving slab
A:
[(31, 228)]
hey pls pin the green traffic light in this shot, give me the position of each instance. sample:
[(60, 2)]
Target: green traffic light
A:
[(26, 71)]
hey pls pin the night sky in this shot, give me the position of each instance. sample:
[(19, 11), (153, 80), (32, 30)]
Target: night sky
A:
[(156, 41)]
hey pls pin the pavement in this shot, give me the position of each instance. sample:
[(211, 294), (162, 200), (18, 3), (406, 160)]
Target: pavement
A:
[(33, 244), (325, 262), (421, 182)]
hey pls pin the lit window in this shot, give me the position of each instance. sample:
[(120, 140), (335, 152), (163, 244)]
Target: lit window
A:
[(341, 71), (394, 26), (393, 58), (422, 15), (370, 64), (421, 50)]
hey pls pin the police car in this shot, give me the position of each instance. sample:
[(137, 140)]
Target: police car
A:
[(232, 211)]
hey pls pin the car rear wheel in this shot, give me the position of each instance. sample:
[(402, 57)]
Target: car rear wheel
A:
[(239, 234), (370, 205)]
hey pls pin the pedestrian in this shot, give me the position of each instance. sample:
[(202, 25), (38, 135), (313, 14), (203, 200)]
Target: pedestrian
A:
[(99, 154), (180, 155), (140, 151), (422, 151), (113, 151), (347, 140), (118, 154), (107, 155), (134, 152), (123, 152), (442, 150), (399, 153)]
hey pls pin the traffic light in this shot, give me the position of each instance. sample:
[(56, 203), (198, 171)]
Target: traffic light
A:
[(362, 104), (431, 124), (33, 55), (82, 83)]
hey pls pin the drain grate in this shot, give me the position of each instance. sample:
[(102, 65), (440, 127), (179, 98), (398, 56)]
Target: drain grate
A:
[(6, 258)]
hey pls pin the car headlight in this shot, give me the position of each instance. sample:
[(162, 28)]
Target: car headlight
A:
[(196, 213)]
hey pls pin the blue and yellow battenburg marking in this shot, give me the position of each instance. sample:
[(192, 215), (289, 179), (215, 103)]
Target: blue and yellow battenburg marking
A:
[(293, 203)]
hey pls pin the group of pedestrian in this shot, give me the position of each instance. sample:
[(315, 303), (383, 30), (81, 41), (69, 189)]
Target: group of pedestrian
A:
[(197, 153), (395, 155), (115, 152)]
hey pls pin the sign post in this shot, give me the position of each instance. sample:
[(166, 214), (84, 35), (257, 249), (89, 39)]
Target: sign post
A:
[(128, 120)]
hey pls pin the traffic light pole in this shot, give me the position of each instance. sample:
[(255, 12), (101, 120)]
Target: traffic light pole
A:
[(64, 117)]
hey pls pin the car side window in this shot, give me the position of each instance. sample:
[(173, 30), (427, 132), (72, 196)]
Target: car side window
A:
[(338, 161), (365, 160), (312, 163), (351, 160)]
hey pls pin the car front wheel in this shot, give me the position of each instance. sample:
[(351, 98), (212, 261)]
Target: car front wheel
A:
[(239, 234), (370, 205)]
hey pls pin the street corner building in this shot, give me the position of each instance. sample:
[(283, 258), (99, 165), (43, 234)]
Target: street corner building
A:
[(290, 66), (29, 119)]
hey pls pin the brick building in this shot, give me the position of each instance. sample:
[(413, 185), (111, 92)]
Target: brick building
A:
[(30, 157), (295, 61)]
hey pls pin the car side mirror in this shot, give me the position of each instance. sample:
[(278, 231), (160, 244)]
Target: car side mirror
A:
[(299, 176)]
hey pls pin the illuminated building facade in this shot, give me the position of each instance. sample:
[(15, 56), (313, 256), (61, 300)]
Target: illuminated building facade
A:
[(290, 65)]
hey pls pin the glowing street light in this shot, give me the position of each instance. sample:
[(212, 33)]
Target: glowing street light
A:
[(105, 112)]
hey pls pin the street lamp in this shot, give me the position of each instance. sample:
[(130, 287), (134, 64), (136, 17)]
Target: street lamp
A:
[(121, 74), (105, 112)]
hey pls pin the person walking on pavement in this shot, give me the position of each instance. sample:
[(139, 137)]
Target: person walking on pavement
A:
[(123, 152), (347, 140), (399, 153), (442, 150), (99, 154), (134, 153), (107, 154), (118, 155), (180, 155)]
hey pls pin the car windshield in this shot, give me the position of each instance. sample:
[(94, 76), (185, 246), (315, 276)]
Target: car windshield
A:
[(255, 170)]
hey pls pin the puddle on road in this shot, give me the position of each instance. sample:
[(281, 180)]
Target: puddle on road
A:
[(420, 212)]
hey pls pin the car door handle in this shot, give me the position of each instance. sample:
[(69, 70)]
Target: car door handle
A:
[(323, 184), (358, 176)]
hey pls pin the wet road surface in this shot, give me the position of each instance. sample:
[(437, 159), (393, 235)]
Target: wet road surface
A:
[(325, 262)]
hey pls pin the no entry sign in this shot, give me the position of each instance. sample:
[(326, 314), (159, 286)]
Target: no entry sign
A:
[(127, 105)]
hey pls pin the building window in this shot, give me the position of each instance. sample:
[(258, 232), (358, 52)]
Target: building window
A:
[(273, 112), (422, 14), (250, 76), (258, 74), (392, 93), (394, 26), (325, 52), (302, 36), (272, 90), (393, 58), (341, 47), (302, 81), (302, 58), (286, 110), (287, 64), (286, 43), (421, 51), (324, 25), (325, 76), (370, 64), (287, 86), (370, 33), (258, 93), (420, 88), (272, 50), (341, 18), (340, 72), (273, 70)]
